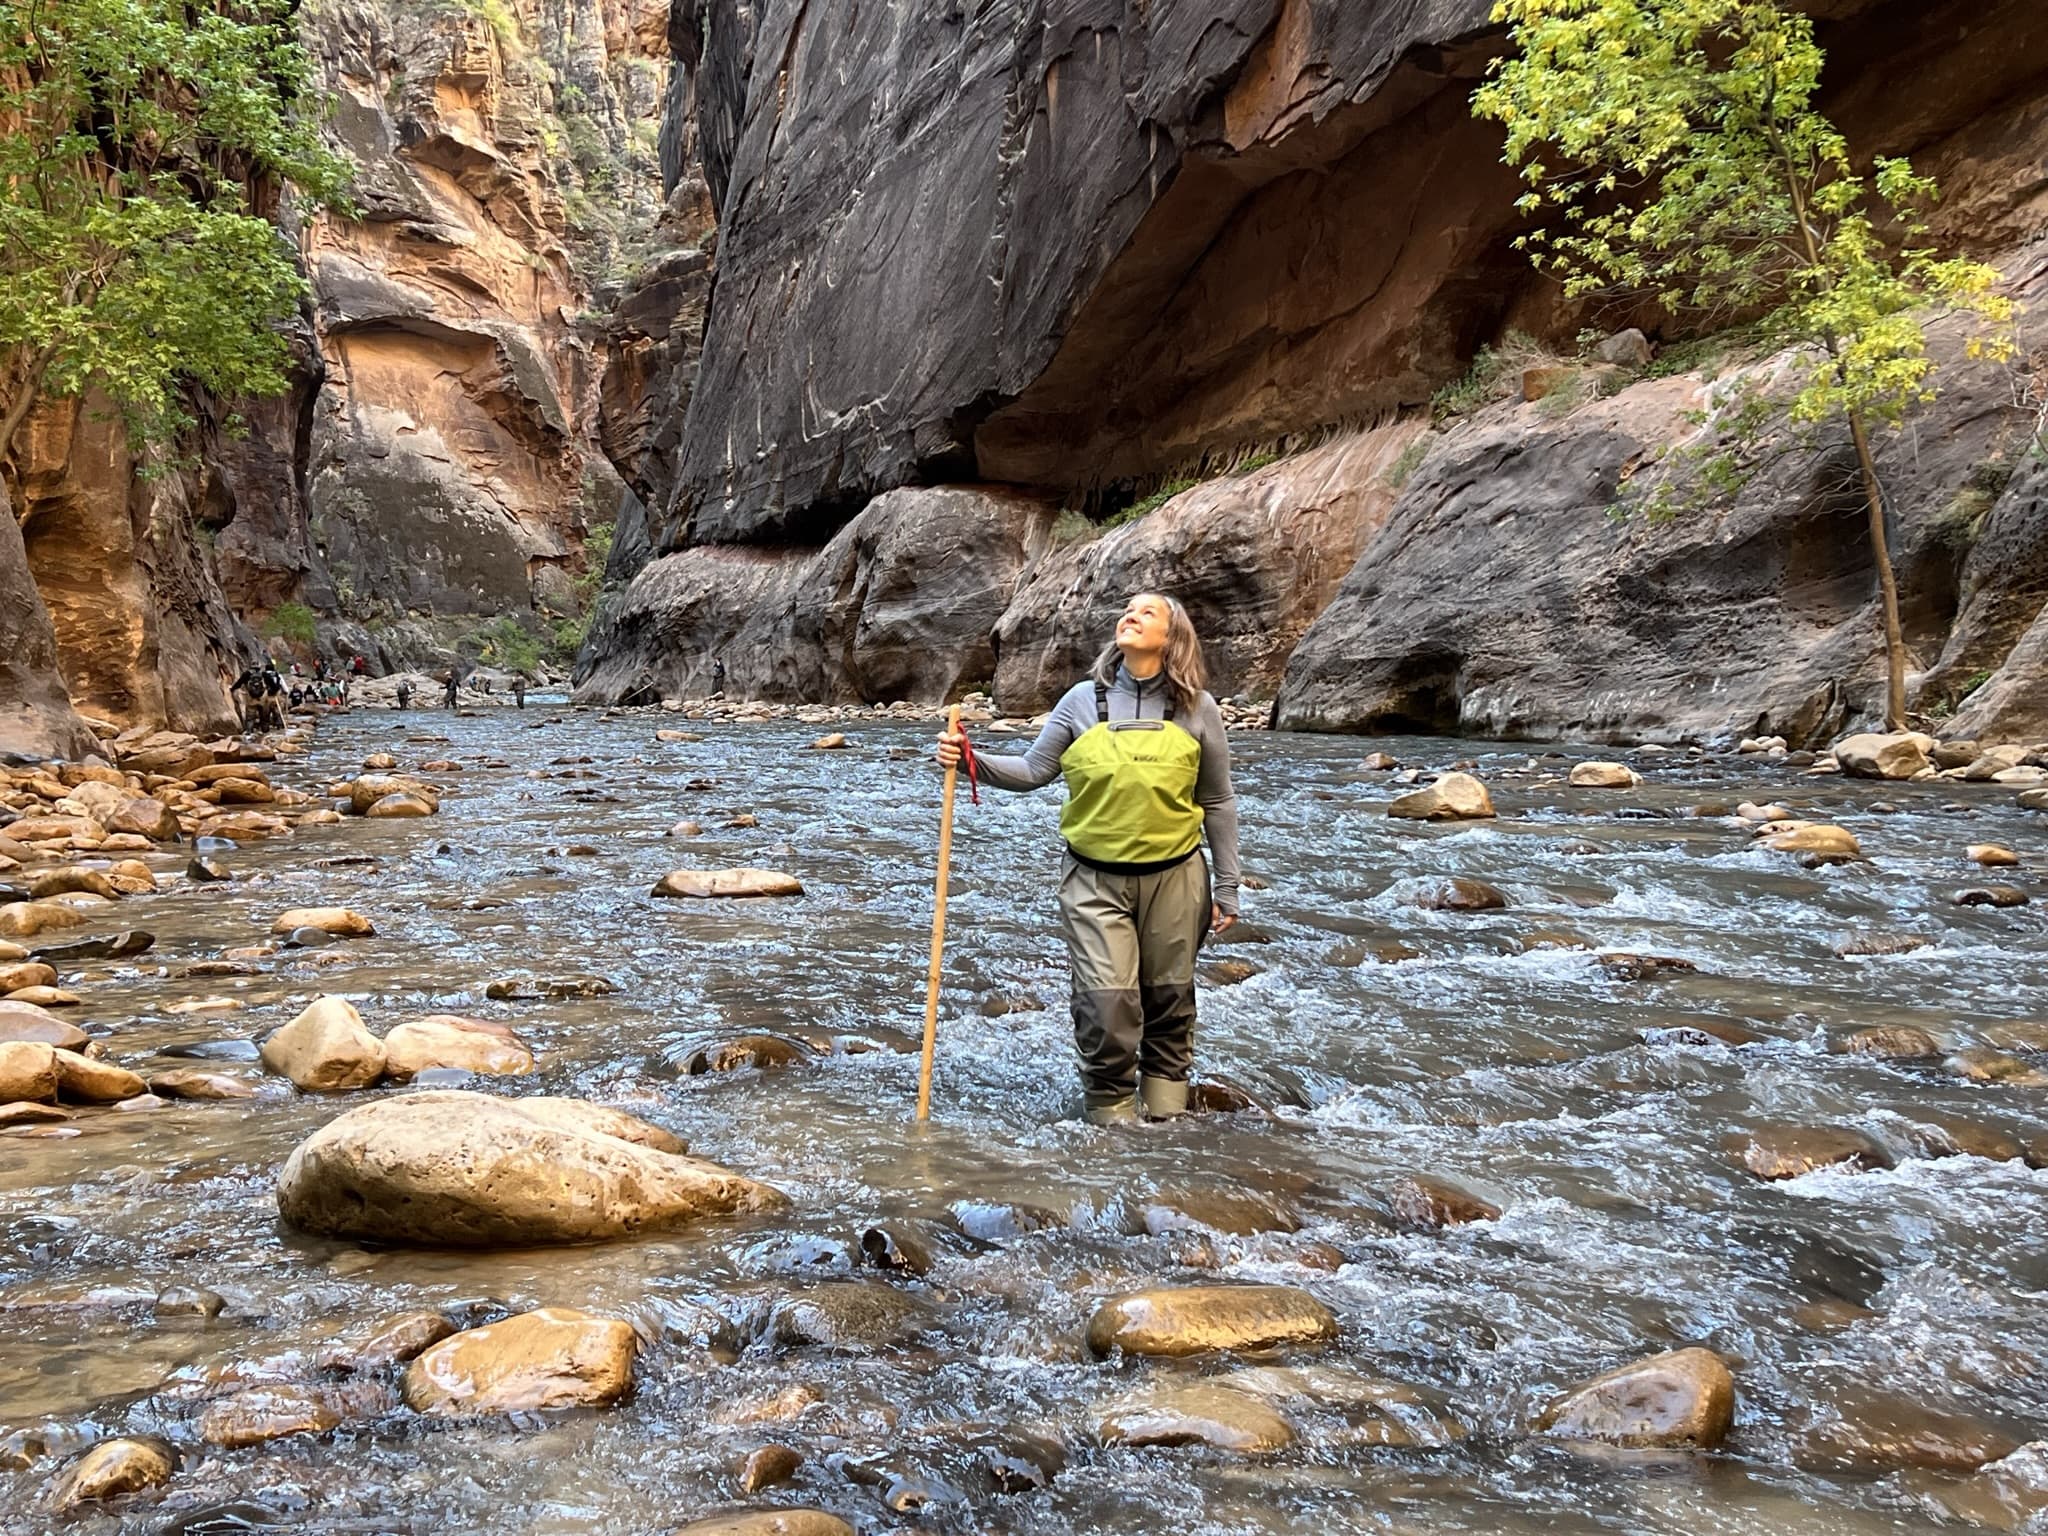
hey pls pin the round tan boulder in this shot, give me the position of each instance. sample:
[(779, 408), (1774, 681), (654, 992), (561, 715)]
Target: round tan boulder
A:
[(1197, 1414), (81, 1080), (1194, 1319), (26, 919), (370, 788), (768, 1522), (28, 1072), (26, 1021), (400, 806), (115, 1467), (705, 883), (1603, 776), (1685, 1397), (834, 741), (27, 973), (556, 1357), (1898, 755), (339, 921), (465, 1170), (145, 816), (1991, 855), (326, 1049), (1453, 797), (444, 1040), (1811, 837)]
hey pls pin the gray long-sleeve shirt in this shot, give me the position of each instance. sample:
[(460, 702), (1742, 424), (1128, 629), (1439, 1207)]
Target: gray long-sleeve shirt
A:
[(1130, 699)]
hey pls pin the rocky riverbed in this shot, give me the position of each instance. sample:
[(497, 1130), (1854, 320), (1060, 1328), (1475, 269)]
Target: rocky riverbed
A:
[(1606, 1082)]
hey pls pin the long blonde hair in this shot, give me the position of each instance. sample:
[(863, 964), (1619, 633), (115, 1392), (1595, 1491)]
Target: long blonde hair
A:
[(1186, 673)]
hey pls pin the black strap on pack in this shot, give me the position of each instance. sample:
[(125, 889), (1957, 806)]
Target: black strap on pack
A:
[(1102, 703)]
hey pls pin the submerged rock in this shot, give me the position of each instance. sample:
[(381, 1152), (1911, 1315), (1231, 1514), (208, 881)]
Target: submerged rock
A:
[(768, 1522), (555, 1357), (1685, 1397), (1428, 1204), (1875, 1431), (1897, 1042), (326, 1049), (1991, 896), (1457, 894), (2004, 1495), (259, 1414), (1453, 797), (769, 1466), (1192, 1320), (1202, 1413), (710, 883), (849, 1315), (338, 921), (762, 1052), (455, 1169), (115, 1467), (1786, 1152), (392, 1342)]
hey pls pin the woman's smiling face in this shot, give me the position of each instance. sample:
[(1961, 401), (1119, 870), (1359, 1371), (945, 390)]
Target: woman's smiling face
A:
[(1143, 629)]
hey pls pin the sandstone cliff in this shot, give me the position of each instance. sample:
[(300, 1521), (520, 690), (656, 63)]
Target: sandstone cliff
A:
[(1079, 250), (436, 463)]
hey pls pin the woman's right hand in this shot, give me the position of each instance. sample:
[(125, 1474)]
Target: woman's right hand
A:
[(950, 744)]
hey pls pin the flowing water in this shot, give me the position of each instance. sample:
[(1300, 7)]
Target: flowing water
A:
[(1569, 1097)]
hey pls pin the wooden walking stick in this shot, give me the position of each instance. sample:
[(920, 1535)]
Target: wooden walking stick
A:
[(931, 981)]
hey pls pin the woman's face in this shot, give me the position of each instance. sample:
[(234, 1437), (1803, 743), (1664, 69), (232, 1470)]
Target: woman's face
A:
[(1143, 628)]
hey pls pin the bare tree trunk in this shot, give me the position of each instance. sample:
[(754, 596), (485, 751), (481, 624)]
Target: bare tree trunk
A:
[(1888, 584)]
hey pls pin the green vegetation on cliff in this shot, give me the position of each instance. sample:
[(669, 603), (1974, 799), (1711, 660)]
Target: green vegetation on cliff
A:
[(145, 144), (1673, 150)]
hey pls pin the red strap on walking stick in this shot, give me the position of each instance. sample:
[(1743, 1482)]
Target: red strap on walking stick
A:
[(973, 773)]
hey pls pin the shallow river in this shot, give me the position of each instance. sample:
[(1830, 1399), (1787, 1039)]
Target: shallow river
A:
[(1530, 1076)]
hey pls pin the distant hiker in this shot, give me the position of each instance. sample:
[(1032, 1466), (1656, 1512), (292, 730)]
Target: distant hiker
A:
[(359, 667), (454, 683), (519, 691), (1148, 774), (404, 693), (718, 674)]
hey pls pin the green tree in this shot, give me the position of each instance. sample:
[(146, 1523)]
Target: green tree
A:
[(141, 143), (1671, 147)]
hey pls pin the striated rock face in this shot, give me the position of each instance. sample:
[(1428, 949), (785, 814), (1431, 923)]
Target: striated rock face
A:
[(901, 604), (450, 462), (1502, 598), (36, 717), (1075, 250)]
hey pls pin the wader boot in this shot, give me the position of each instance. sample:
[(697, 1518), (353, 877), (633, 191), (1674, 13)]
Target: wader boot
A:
[(1163, 1098)]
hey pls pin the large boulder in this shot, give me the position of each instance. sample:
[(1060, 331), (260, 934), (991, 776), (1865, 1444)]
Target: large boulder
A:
[(1685, 1397), (1892, 755), (83, 1080), (326, 1049), (1453, 797), (464, 1170), (555, 1357), (1195, 1319)]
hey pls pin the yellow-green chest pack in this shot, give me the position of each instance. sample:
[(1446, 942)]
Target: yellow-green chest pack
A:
[(1131, 793)]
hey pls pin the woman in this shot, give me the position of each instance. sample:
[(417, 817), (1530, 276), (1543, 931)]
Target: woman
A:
[(1148, 772)]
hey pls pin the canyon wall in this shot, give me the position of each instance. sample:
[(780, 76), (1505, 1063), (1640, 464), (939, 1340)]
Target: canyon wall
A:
[(436, 465), (1080, 249)]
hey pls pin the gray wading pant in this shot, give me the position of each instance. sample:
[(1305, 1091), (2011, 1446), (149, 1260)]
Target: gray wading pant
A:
[(1132, 940)]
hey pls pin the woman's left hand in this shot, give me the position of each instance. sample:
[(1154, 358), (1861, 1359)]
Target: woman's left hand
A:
[(1221, 921)]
